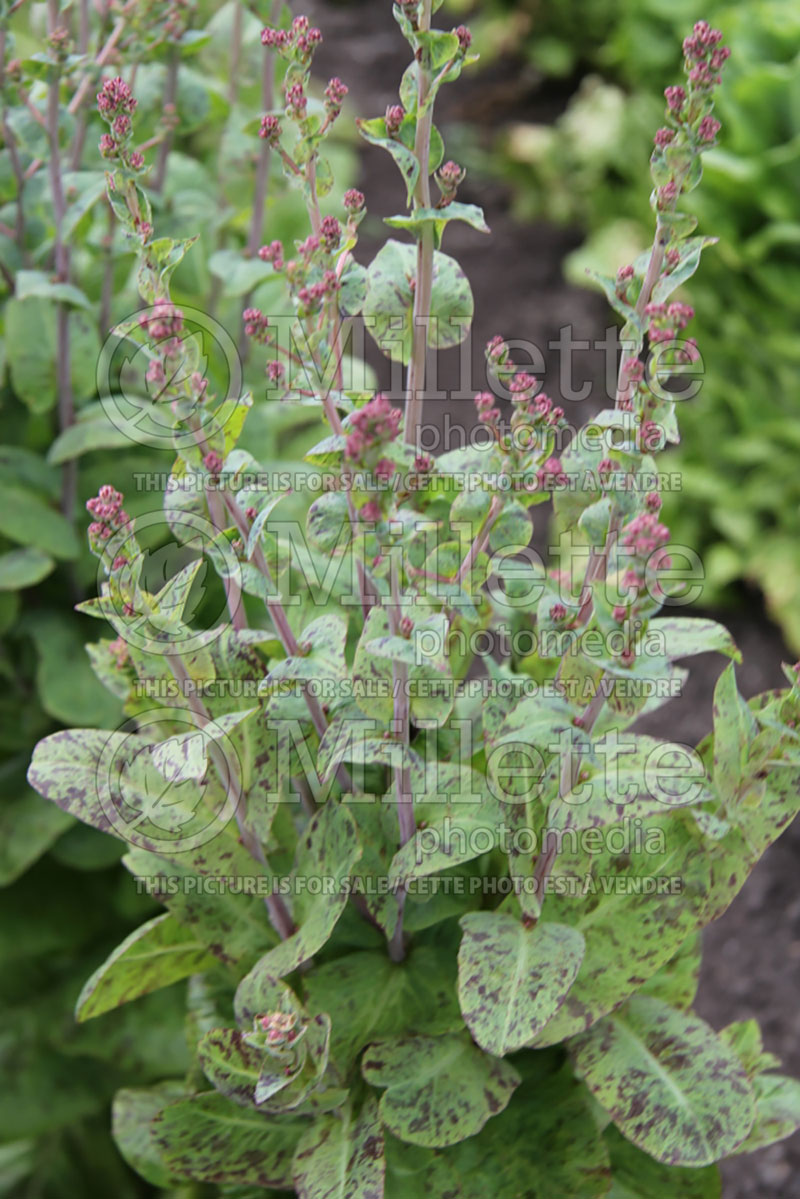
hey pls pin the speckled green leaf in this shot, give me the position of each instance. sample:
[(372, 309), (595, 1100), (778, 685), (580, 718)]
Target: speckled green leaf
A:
[(734, 727), (451, 823), (671, 1085), (233, 1066), (513, 979), (777, 1111), (341, 1157), (389, 304), (439, 1090), (636, 1176), (545, 1145), (688, 635), (374, 131), (132, 1116), (109, 780), (634, 776), (630, 933), (209, 1139), (322, 642), (328, 851), (746, 1041), (230, 922), (157, 954), (677, 980), (368, 996)]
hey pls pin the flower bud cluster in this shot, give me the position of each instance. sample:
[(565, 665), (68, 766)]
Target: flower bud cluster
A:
[(109, 517), (371, 428), (280, 1027), (116, 104), (448, 177), (297, 44), (690, 128)]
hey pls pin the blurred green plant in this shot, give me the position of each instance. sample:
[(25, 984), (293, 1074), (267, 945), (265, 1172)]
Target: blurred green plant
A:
[(65, 277), (739, 504)]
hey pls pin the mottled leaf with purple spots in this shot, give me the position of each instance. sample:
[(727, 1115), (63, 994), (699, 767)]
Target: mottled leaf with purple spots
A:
[(439, 1090), (341, 1157), (670, 1084), (513, 979), (209, 1139)]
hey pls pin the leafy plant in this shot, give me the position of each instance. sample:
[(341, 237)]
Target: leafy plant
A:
[(440, 938), (738, 502), (66, 898)]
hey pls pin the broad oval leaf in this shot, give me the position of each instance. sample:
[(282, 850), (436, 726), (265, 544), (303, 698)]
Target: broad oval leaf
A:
[(209, 1139), (439, 1090), (513, 979), (670, 1084)]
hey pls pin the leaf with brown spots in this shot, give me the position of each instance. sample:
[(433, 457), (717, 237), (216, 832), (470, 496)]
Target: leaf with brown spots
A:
[(545, 1145), (670, 1084), (209, 1139), (513, 979), (132, 1116), (439, 1089), (637, 1176), (341, 1157), (326, 854)]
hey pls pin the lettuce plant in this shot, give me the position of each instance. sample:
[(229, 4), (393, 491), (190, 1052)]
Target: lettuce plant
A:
[(437, 902)]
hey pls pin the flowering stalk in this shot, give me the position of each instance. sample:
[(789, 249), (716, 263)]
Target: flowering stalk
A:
[(675, 167), (66, 402), (424, 276)]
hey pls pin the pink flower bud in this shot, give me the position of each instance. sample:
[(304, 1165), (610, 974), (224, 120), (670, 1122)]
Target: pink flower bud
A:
[(708, 129), (464, 38), (335, 93), (270, 130), (330, 233), (353, 200), (370, 512), (394, 118), (676, 98)]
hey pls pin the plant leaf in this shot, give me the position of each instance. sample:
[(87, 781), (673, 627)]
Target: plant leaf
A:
[(342, 1157), (439, 1090), (157, 954), (670, 1084), (209, 1139), (513, 979)]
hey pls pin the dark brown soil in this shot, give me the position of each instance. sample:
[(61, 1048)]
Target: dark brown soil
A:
[(752, 954)]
